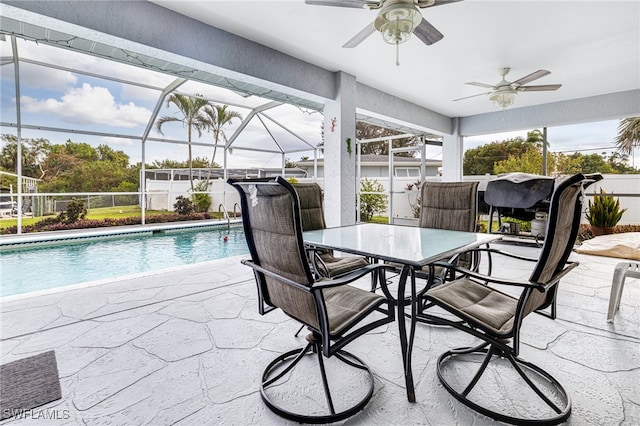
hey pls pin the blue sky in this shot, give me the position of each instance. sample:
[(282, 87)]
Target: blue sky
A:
[(63, 99), (58, 98)]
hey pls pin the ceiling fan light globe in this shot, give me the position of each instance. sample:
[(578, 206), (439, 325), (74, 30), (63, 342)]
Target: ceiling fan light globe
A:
[(396, 22), (394, 34), (503, 100)]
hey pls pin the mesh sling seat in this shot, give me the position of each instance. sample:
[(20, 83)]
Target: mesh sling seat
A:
[(325, 264), (334, 313), (493, 309), (452, 206)]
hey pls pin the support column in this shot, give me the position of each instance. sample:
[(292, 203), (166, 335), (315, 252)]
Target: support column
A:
[(339, 163), (452, 155)]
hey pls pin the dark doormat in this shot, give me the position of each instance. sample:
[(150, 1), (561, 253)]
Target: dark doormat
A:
[(28, 383)]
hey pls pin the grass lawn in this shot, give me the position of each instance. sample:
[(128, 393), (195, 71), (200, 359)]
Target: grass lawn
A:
[(379, 219), (100, 213)]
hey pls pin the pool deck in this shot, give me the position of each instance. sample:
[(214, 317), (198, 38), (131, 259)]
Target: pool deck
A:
[(188, 347)]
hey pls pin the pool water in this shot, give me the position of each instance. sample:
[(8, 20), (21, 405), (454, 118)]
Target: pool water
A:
[(35, 269)]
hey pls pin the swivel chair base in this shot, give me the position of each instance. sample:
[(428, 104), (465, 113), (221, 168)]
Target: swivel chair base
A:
[(552, 405), (276, 375)]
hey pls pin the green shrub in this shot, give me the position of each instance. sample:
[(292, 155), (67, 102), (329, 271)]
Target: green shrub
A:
[(53, 224), (183, 206), (525, 225), (75, 211), (605, 211), (371, 204), (201, 202)]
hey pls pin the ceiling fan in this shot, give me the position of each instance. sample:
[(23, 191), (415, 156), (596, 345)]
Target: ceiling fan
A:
[(396, 20), (504, 93)]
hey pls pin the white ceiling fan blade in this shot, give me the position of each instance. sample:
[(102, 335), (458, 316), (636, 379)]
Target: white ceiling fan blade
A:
[(361, 36), (472, 96), (427, 33), (358, 4), (475, 83), (539, 88), (443, 2), (533, 76)]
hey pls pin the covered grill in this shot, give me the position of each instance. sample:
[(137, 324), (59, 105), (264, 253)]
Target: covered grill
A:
[(518, 195)]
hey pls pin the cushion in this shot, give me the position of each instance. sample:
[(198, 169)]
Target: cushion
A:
[(346, 305), (485, 307), (625, 246), (336, 266)]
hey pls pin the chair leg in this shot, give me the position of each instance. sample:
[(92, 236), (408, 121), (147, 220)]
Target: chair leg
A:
[(556, 412), (325, 384), (616, 291), (285, 363), (299, 330)]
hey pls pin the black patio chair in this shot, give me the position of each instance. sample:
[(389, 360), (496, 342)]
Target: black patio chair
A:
[(334, 313), (324, 263), (452, 206), (493, 309)]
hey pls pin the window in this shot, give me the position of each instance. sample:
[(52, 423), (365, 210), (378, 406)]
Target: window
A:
[(407, 171)]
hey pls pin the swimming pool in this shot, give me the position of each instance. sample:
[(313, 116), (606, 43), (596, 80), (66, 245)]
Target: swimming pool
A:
[(36, 268)]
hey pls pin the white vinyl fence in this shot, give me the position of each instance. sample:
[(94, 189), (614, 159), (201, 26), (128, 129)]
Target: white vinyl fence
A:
[(162, 194), (624, 187)]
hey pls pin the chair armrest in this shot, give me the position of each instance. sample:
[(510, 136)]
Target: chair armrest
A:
[(489, 279), (350, 277), (504, 281), (313, 254), (502, 253), (274, 275), (322, 284)]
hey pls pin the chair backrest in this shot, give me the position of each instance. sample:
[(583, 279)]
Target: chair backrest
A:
[(311, 212), (563, 223), (449, 205), (273, 229)]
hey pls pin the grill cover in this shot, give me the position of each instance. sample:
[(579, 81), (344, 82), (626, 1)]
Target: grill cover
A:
[(519, 195), (518, 190)]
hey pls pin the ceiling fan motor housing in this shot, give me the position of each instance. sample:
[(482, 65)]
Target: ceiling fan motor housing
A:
[(397, 19), (425, 3)]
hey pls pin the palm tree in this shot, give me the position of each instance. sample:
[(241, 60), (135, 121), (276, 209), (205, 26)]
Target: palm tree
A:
[(192, 118), (628, 134), (217, 117)]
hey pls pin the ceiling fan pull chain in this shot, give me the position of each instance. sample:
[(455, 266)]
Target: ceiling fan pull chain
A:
[(398, 37)]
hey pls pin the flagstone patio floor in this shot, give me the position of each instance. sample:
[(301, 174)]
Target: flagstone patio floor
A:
[(188, 347)]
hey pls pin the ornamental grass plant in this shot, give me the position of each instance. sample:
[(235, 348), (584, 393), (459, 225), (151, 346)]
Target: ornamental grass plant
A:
[(604, 213)]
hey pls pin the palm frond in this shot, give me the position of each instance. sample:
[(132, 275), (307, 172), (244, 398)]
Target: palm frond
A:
[(162, 120), (628, 134)]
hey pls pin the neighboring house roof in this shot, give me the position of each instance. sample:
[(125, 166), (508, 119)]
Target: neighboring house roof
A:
[(377, 160), (217, 172)]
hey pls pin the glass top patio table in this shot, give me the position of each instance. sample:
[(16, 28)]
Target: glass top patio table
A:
[(413, 248), (407, 245)]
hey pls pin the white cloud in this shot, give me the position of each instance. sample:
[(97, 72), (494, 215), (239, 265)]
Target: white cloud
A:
[(112, 141), (38, 77), (88, 63), (90, 105)]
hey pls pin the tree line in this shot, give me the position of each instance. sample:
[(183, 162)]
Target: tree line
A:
[(78, 166), (526, 154)]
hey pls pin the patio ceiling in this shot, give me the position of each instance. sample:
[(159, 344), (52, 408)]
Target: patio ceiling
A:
[(590, 47), (289, 51)]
